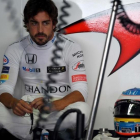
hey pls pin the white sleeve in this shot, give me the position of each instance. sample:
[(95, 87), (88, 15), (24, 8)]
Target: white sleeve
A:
[(77, 74), (10, 69)]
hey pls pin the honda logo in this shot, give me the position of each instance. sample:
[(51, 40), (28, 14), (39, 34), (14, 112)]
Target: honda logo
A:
[(31, 58)]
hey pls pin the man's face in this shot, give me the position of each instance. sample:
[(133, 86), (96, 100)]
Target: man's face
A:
[(41, 28)]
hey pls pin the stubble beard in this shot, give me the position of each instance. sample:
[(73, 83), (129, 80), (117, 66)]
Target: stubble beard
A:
[(42, 41)]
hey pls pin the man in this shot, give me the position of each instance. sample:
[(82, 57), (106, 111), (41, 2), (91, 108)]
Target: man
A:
[(30, 58)]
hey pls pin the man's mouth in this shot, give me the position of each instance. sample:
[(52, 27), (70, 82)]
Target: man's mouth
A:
[(40, 36)]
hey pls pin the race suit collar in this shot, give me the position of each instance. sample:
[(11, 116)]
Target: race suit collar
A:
[(46, 46)]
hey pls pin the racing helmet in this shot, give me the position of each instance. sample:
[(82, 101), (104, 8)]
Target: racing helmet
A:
[(127, 113)]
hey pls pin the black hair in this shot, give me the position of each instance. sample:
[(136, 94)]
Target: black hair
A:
[(33, 7)]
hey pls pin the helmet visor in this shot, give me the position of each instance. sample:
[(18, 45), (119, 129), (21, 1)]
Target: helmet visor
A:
[(127, 110)]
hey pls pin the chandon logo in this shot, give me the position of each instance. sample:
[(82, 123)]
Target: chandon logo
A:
[(53, 89)]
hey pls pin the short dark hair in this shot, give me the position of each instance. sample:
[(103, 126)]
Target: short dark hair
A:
[(33, 7)]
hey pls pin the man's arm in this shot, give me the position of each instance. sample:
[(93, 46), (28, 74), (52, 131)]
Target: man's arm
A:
[(73, 97), (60, 104), (8, 79), (7, 100), (19, 107)]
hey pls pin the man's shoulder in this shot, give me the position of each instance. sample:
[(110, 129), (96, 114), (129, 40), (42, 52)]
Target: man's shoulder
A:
[(67, 41), (65, 38), (19, 46), (21, 43)]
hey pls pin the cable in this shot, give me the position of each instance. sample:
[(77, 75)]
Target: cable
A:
[(12, 17), (47, 98), (79, 125), (126, 22)]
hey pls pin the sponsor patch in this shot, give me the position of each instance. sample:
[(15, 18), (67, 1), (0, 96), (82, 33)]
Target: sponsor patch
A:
[(80, 77), (127, 101), (52, 89), (4, 77), (2, 81), (5, 60), (31, 69), (79, 66), (127, 130), (31, 58), (5, 69), (56, 69), (78, 54)]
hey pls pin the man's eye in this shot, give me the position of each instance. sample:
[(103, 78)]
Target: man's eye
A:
[(34, 23), (45, 23)]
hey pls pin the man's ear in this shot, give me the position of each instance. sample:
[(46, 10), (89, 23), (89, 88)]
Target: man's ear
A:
[(27, 25), (54, 27)]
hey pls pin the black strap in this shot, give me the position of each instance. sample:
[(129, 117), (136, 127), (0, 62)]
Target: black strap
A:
[(36, 131), (32, 120)]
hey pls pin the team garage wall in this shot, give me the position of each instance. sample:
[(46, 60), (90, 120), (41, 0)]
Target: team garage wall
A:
[(92, 43)]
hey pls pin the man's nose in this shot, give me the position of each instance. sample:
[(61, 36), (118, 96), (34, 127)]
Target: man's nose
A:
[(40, 28)]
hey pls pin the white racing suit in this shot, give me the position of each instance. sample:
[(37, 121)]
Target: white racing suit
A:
[(32, 63)]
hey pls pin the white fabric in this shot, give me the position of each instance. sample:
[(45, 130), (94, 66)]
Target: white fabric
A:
[(34, 74), (20, 126), (71, 76)]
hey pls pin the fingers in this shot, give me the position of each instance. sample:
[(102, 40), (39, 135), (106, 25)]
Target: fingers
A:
[(39, 107), (21, 108), (19, 112), (37, 103), (36, 100), (25, 106)]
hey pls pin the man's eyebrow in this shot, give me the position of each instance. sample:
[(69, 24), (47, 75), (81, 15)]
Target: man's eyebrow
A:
[(32, 20), (46, 20)]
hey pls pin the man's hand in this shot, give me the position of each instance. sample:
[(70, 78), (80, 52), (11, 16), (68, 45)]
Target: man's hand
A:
[(21, 107), (37, 103)]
